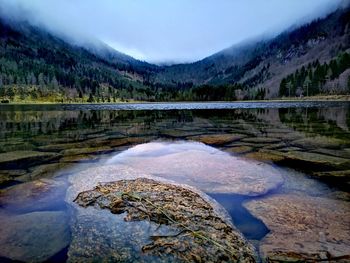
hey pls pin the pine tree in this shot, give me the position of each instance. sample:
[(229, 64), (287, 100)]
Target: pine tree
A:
[(306, 85), (283, 88), (91, 98)]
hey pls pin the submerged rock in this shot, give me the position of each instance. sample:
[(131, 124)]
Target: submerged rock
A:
[(24, 158), (265, 156), (320, 142), (88, 150), (49, 170), (203, 167), (217, 139), (87, 179), (340, 175), (303, 228), (8, 176), (261, 140), (239, 149), (306, 160), (37, 195), (175, 224), (80, 158), (33, 237)]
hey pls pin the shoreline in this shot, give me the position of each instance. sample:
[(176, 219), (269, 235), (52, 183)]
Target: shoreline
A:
[(294, 99)]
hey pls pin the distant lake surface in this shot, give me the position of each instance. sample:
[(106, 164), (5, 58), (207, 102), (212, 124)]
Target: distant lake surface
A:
[(280, 169)]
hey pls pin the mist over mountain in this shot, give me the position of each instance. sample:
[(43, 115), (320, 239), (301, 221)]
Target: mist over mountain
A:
[(40, 65), (264, 63), (165, 31)]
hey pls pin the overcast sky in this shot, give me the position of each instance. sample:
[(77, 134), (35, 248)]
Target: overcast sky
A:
[(167, 30)]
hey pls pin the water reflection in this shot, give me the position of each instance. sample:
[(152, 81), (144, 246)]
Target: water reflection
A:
[(201, 166), (292, 150)]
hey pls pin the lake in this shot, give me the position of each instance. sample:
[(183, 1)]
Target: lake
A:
[(281, 171)]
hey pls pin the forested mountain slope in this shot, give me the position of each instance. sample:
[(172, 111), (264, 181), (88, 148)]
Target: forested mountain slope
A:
[(263, 64), (35, 64), (310, 60)]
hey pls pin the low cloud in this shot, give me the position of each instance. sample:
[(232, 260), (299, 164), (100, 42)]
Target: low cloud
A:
[(161, 31)]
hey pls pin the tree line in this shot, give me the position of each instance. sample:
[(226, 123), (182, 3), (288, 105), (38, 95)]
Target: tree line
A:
[(310, 80)]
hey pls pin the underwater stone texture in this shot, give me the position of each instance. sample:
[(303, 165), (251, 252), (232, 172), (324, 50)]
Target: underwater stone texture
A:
[(303, 228), (33, 237), (188, 227)]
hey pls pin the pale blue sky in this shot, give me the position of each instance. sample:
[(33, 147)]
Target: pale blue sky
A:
[(173, 30)]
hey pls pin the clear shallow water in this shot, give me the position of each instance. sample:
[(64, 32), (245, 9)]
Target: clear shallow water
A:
[(56, 141)]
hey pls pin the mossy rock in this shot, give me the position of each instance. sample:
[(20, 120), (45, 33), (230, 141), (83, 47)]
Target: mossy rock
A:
[(165, 222)]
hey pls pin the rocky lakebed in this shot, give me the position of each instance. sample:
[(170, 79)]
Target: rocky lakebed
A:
[(243, 185)]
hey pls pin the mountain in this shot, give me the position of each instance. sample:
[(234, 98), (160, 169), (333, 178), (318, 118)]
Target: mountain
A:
[(36, 65), (309, 60), (263, 64)]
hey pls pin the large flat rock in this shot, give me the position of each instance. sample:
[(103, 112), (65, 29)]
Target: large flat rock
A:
[(303, 228), (163, 222), (203, 167), (33, 237)]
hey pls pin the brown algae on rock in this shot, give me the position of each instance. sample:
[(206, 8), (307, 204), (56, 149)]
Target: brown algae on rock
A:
[(194, 232)]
